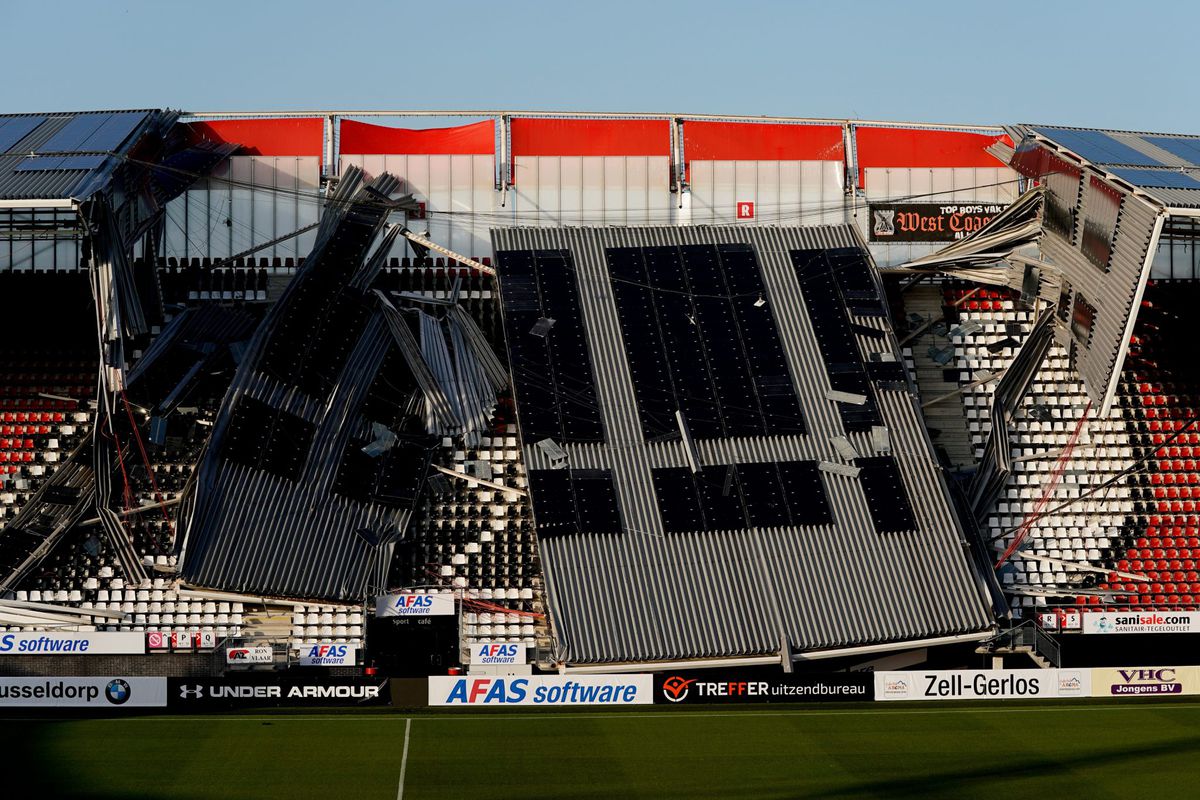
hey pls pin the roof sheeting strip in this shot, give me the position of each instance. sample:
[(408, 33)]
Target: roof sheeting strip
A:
[(362, 138), (751, 141)]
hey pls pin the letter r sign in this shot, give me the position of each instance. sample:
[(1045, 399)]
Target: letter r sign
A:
[(745, 210)]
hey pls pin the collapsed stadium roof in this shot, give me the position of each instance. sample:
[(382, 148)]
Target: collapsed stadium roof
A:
[(746, 469)]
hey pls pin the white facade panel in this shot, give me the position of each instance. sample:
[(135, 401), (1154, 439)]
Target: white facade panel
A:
[(458, 192), (783, 192), (248, 200), (590, 190)]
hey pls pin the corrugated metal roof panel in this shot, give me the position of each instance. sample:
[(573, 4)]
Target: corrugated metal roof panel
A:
[(649, 595), (1157, 164), (78, 149)]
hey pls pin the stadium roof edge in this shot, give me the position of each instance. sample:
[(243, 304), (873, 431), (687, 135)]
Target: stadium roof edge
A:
[(750, 661), (750, 118), (1180, 200)]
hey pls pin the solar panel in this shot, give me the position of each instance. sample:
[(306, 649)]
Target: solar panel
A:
[(14, 129), (1098, 147), (784, 493), (93, 132), (574, 501), (552, 374), (887, 499), (701, 339), (1186, 148), (48, 163), (735, 497), (1157, 178), (71, 136), (821, 284), (393, 478), (268, 439), (113, 131)]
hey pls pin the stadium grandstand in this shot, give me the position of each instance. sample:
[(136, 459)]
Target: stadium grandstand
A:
[(627, 391)]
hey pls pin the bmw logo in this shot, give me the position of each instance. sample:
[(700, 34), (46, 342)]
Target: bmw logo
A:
[(117, 691)]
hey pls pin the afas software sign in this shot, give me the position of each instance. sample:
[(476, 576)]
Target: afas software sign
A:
[(707, 687), (328, 654), (982, 684), (42, 643), (498, 654), (542, 690), (408, 604), (96, 693)]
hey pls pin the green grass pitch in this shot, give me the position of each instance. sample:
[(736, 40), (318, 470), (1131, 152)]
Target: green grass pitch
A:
[(1078, 749)]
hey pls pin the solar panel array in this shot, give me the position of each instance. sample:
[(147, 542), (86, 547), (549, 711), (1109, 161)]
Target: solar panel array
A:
[(694, 384), (1147, 161), (68, 146), (700, 338)]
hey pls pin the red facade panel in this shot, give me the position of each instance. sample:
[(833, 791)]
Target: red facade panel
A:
[(752, 141), (590, 137), (907, 147), (357, 138), (298, 136)]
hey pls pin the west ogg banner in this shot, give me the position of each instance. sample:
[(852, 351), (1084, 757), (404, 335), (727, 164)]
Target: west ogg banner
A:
[(929, 222), (982, 684), (542, 690), (707, 687), (95, 693)]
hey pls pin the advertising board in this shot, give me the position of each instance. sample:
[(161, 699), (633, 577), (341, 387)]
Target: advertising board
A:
[(541, 690), (1145, 681), (929, 222), (328, 654), (249, 655), (709, 687), (43, 643), (251, 691), (1141, 622), (95, 693), (498, 654), (982, 684), (408, 604)]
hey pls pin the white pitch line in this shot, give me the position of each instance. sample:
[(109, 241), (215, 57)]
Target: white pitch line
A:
[(616, 714), (404, 759)]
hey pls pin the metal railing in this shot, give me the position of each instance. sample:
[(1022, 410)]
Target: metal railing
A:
[(1027, 637)]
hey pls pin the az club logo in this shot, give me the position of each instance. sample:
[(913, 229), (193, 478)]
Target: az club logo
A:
[(241, 654), (190, 691), (675, 688), (117, 692)]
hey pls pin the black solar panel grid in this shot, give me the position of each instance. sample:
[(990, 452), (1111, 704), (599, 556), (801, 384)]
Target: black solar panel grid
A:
[(736, 497), (887, 499), (820, 284), (700, 338), (552, 374), (569, 501), (268, 439)]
